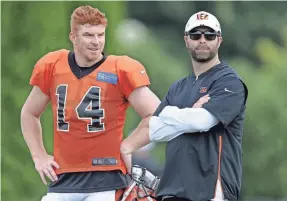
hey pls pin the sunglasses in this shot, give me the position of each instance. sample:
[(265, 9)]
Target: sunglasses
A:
[(207, 35)]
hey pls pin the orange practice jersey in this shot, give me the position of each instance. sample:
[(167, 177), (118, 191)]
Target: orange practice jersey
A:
[(89, 113)]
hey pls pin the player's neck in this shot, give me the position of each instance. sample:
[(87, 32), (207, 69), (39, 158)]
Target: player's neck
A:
[(201, 67), (84, 63)]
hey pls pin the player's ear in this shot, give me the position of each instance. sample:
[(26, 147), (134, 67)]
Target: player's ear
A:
[(72, 37)]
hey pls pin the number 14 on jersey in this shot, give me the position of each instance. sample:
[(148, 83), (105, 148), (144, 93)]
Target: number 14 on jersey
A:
[(88, 108)]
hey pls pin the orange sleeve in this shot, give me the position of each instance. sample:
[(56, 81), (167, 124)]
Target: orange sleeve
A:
[(132, 74), (42, 72)]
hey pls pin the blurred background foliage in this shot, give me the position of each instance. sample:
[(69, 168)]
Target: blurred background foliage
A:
[(255, 44)]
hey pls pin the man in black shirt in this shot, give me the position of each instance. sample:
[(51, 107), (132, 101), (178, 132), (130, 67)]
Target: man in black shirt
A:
[(201, 118)]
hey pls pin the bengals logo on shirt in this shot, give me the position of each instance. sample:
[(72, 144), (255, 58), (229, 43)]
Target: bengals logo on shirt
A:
[(203, 90)]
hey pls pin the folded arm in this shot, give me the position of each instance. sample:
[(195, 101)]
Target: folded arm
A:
[(173, 122)]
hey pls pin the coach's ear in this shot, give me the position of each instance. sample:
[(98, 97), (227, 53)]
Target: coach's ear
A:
[(72, 37), (220, 39), (186, 41)]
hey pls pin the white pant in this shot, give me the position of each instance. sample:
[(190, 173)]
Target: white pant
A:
[(98, 196)]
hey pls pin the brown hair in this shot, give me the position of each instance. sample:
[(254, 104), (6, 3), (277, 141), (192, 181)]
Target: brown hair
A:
[(87, 15)]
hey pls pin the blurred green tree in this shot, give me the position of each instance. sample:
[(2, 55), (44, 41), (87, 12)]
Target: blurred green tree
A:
[(265, 163), (29, 31)]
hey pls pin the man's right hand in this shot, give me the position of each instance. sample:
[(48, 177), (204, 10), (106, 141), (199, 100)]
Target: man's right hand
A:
[(44, 165), (201, 101)]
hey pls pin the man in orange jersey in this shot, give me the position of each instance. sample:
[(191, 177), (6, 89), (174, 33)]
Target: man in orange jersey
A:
[(89, 93)]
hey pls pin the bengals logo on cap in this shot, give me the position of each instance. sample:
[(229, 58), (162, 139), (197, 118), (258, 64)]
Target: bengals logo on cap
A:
[(202, 16)]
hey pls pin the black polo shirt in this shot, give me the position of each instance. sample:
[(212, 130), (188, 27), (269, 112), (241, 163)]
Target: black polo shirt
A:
[(194, 161)]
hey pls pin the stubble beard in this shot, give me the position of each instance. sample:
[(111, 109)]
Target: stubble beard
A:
[(200, 58)]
